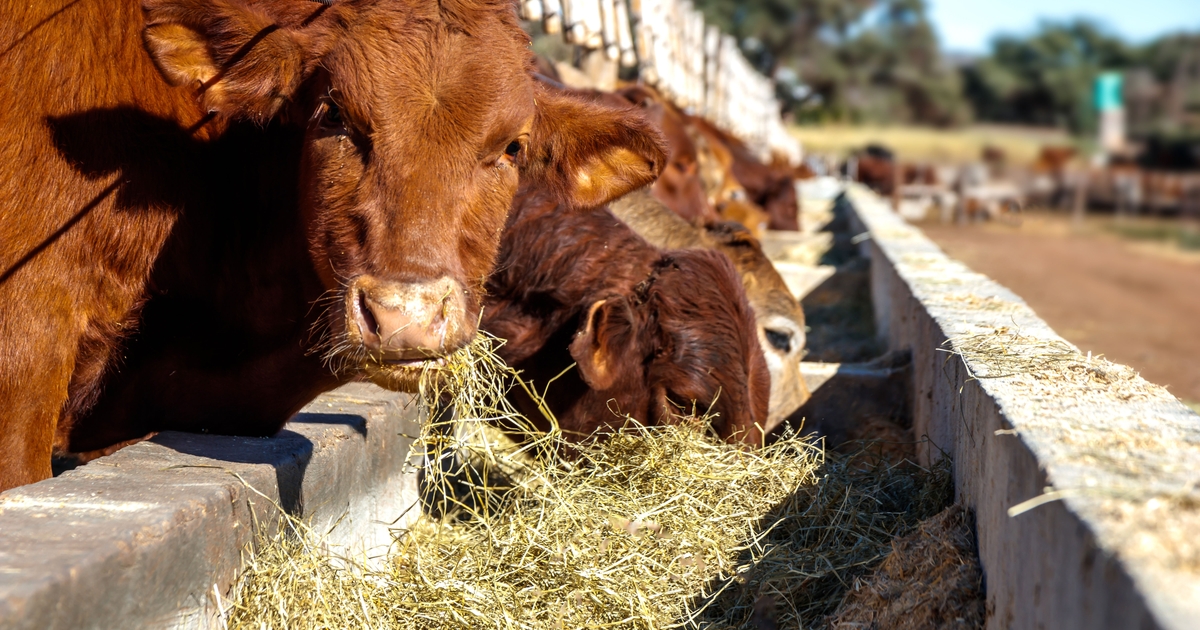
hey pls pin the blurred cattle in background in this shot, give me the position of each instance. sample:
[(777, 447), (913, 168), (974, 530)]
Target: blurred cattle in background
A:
[(996, 160), (980, 196), (680, 186), (213, 211), (1051, 182), (778, 316), (773, 188), (874, 167), (657, 334)]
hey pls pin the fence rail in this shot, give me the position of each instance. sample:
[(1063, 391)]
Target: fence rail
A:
[(692, 63)]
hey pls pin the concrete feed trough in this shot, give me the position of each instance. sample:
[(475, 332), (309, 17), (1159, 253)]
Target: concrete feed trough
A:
[(1081, 475)]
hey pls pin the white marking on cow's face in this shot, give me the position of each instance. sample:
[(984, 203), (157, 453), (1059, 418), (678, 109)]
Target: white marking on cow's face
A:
[(782, 337), (788, 391)]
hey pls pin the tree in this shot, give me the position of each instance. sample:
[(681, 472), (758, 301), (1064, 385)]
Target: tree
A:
[(853, 60), (1045, 79)]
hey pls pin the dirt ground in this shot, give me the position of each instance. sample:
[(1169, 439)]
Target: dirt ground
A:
[(1136, 302)]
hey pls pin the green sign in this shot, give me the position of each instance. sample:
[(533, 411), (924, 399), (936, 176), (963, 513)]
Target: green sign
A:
[(1108, 91)]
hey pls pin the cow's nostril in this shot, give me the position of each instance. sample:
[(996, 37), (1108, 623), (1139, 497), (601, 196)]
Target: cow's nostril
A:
[(367, 324), (779, 339)]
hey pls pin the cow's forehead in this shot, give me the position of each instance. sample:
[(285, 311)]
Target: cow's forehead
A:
[(431, 78)]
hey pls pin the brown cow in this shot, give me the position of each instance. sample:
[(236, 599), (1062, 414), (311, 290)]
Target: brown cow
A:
[(653, 332), (215, 209), (680, 186), (771, 188), (778, 315), (702, 188), (724, 191)]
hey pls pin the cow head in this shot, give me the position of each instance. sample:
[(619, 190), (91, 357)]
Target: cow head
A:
[(685, 337), (780, 319), (419, 120)]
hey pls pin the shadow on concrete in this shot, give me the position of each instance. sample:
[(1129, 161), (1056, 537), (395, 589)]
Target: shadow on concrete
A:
[(356, 422), (839, 312), (287, 452), (853, 397)]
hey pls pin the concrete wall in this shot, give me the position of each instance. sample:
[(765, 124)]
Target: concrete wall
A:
[(146, 537), (1110, 462)]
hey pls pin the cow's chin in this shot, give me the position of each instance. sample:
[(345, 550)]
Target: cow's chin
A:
[(404, 377)]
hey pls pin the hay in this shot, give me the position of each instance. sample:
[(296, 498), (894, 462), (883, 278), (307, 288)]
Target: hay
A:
[(655, 527), (931, 579), (1004, 352)]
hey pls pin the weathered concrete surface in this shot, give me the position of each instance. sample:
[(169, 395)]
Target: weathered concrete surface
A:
[(147, 537), (1099, 468), (803, 279)]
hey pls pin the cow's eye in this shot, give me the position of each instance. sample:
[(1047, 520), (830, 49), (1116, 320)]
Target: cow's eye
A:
[(781, 340), (333, 115), (513, 148)]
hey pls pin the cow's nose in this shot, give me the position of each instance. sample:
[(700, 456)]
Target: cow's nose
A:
[(407, 320)]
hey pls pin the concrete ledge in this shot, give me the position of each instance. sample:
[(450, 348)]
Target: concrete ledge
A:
[(1101, 466), (144, 538)]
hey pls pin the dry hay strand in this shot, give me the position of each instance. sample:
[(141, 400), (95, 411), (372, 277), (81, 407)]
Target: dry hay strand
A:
[(931, 579), (1004, 352), (653, 527), (822, 537)]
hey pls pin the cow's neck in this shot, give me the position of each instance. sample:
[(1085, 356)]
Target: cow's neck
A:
[(222, 339)]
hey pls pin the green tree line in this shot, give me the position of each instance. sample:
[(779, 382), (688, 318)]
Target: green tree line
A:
[(880, 61)]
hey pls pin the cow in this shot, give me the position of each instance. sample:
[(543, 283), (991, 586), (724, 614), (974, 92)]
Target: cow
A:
[(213, 210), (656, 334), (704, 189), (680, 186), (875, 167), (771, 188), (724, 191), (779, 319)]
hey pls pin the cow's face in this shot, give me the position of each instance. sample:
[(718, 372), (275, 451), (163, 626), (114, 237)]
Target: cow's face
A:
[(420, 119), (683, 343)]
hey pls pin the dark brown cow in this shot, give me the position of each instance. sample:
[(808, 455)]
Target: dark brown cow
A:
[(214, 210), (777, 313), (654, 332)]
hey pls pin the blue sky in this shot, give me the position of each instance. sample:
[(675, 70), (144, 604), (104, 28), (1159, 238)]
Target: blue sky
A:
[(968, 25)]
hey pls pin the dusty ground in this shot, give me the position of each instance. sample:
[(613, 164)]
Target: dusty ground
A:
[(1135, 301)]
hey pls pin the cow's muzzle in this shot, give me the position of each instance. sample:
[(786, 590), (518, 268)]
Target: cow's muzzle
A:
[(407, 324)]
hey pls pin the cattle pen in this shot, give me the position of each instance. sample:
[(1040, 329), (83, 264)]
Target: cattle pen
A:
[(1060, 489), (1081, 476)]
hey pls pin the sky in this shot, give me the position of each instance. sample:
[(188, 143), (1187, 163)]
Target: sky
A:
[(968, 25)]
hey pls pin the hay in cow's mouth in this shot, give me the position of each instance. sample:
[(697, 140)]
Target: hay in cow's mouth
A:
[(655, 527), (404, 376)]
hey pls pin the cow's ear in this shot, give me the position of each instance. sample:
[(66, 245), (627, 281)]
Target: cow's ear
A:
[(589, 152), (605, 338), (241, 63)]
